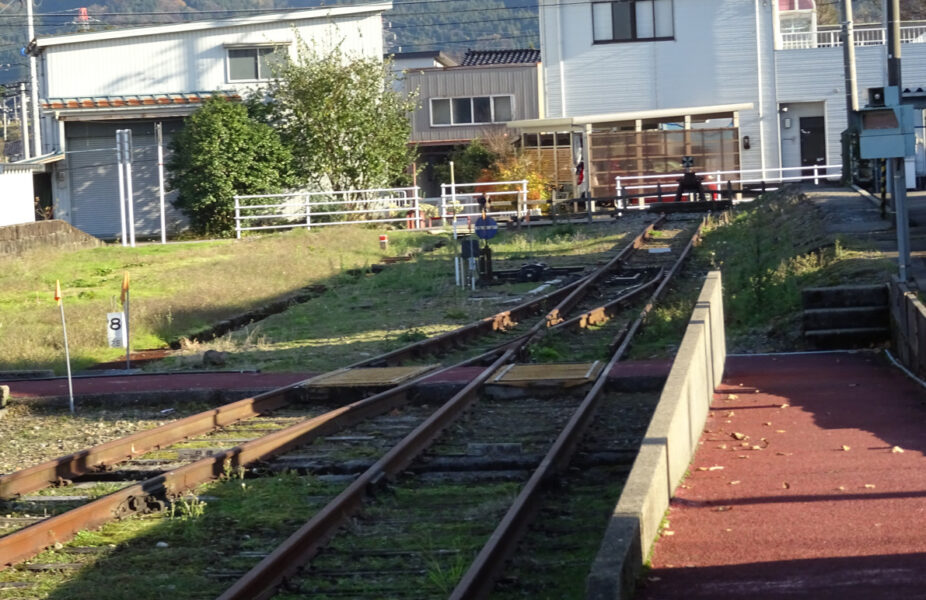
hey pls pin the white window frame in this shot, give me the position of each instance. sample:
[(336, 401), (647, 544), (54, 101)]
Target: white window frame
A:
[(472, 111), (282, 47), (635, 36)]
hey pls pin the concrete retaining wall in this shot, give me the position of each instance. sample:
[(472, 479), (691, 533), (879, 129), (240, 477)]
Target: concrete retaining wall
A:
[(16, 239), (908, 327), (666, 451)]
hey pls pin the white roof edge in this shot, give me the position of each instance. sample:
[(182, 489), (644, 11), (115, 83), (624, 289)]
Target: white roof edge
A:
[(313, 13), (570, 122)]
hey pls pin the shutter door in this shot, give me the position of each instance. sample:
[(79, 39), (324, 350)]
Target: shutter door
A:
[(95, 179)]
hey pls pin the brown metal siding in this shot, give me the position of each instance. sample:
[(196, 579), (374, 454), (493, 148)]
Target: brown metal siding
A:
[(519, 81)]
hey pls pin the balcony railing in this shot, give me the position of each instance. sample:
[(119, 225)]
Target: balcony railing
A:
[(864, 36)]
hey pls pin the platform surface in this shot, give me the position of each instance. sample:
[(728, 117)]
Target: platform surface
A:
[(809, 482)]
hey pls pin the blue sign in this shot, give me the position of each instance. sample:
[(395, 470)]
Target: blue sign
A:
[(486, 228)]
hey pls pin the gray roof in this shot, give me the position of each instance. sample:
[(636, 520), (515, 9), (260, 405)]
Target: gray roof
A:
[(474, 58)]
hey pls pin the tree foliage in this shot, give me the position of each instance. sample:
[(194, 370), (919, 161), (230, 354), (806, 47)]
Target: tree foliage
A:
[(220, 153), (340, 117)]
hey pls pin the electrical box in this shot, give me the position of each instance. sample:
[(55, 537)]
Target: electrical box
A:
[(887, 131)]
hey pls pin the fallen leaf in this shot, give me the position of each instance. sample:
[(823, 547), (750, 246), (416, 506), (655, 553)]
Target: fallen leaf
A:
[(742, 456), (757, 447), (845, 448), (735, 482), (723, 508), (779, 431), (745, 445), (785, 406), (897, 450), (715, 468), (767, 423), (784, 454), (667, 532), (722, 447), (739, 436), (841, 488), (732, 396), (870, 486), (786, 485), (730, 414)]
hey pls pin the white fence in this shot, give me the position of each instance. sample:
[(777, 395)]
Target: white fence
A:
[(863, 36), (649, 188), (315, 209), (461, 200)]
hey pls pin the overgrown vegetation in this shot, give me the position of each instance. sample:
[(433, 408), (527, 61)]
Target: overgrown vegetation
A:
[(770, 251), (221, 153)]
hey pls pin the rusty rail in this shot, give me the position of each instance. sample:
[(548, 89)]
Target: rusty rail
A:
[(99, 457), (488, 565), (261, 581)]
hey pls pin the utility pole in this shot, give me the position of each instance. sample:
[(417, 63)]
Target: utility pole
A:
[(897, 166), (848, 56), (34, 82), (23, 121)]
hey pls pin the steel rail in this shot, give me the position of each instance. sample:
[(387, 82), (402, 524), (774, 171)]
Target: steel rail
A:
[(26, 543), (113, 452), (97, 458), (29, 541), (480, 578), (261, 581)]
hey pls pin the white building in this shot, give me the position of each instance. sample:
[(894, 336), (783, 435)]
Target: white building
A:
[(93, 84), (749, 84)]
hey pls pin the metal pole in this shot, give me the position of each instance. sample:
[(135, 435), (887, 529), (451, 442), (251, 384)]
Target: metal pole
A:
[(23, 121), (893, 43), (897, 166), (128, 344), (120, 133), (67, 357), (159, 131), (129, 195), (848, 56), (453, 206), (34, 82)]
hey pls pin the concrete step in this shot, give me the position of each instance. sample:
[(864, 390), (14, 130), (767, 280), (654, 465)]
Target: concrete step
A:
[(843, 318), (844, 296), (854, 337)]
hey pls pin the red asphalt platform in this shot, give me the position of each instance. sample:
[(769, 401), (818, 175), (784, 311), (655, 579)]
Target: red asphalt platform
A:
[(809, 482), (115, 384)]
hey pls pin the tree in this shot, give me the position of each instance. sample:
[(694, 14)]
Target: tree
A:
[(220, 153), (341, 118)]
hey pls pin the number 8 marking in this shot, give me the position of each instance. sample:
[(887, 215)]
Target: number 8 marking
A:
[(115, 324)]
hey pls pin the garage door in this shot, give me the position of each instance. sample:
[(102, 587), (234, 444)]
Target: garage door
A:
[(94, 178)]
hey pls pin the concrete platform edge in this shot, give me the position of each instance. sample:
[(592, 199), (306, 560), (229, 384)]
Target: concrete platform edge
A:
[(666, 450)]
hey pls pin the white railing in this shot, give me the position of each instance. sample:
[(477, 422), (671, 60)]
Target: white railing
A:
[(311, 209), (461, 200), (642, 187), (863, 36)]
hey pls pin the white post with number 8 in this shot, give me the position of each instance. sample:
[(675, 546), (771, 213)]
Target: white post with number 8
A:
[(115, 329)]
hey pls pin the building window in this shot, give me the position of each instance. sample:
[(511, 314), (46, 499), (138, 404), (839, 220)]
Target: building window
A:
[(632, 20), (254, 63), (480, 110)]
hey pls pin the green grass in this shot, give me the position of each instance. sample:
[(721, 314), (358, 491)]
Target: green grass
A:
[(770, 251), (182, 288)]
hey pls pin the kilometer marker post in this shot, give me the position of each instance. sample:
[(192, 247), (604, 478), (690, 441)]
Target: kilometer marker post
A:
[(125, 308), (67, 353)]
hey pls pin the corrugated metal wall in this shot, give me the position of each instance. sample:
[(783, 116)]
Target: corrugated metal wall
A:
[(457, 82), (94, 179)]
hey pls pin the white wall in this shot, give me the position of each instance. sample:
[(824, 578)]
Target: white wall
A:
[(16, 196), (712, 60), (189, 61)]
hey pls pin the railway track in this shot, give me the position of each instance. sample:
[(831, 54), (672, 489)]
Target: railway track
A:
[(362, 446)]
